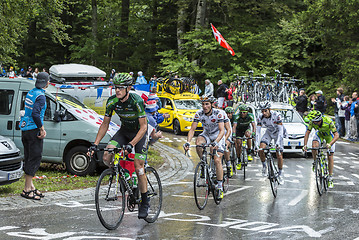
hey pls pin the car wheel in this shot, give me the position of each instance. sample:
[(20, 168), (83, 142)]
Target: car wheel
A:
[(176, 127), (78, 163)]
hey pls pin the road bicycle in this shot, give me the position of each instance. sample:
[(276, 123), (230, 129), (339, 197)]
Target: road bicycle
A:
[(271, 168), (205, 179), (114, 190), (244, 154), (233, 157), (321, 170)]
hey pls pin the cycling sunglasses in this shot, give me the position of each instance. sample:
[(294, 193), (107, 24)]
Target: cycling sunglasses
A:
[(120, 87)]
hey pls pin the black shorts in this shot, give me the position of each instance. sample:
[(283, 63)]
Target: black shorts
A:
[(123, 137), (241, 132)]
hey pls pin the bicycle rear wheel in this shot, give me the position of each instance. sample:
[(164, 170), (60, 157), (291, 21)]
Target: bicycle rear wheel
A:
[(319, 176), (244, 161), (154, 189), (233, 158), (110, 199), (272, 175), (200, 186)]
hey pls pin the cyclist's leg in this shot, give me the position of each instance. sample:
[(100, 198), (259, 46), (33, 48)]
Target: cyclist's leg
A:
[(140, 159), (280, 155), (249, 144), (218, 160), (266, 139), (315, 144), (226, 151), (118, 140), (201, 139)]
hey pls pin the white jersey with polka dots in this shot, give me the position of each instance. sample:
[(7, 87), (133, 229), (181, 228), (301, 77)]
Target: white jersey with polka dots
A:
[(210, 122), (270, 123)]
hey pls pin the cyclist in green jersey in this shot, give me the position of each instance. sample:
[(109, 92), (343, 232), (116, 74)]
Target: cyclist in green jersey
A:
[(229, 111), (132, 134), (327, 132), (241, 128)]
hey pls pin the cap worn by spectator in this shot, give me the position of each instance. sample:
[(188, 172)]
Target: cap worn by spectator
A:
[(42, 80), (131, 73), (302, 89), (319, 92), (140, 73), (151, 106)]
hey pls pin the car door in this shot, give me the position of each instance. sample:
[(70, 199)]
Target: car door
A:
[(167, 107), (8, 99)]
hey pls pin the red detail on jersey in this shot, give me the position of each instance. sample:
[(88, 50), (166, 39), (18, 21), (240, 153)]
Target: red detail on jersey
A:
[(219, 115), (196, 116), (213, 120)]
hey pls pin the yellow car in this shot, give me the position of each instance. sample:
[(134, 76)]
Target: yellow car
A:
[(181, 109)]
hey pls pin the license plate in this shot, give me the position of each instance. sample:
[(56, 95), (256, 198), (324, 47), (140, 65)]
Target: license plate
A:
[(294, 143), (14, 175)]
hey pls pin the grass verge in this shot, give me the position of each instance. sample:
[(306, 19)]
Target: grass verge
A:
[(53, 177)]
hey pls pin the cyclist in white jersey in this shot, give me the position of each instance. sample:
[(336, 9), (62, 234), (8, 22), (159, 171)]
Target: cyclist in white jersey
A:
[(275, 130), (213, 133)]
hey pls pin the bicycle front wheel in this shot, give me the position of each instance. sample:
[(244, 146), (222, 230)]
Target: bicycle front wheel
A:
[(200, 186), (234, 159), (319, 176), (244, 161), (110, 199), (154, 189), (272, 175)]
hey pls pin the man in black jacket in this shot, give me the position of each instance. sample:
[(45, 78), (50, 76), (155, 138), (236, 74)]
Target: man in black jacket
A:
[(301, 102), (221, 94), (339, 120), (320, 103)]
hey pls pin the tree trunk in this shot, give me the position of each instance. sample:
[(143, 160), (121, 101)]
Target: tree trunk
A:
[(94, 31), (180, 25), (201, 14), (125, 15)]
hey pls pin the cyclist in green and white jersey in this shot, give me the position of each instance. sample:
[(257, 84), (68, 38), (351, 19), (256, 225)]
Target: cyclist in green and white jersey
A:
[(229, 111), (242, 127), (132, 134), (326, 131)]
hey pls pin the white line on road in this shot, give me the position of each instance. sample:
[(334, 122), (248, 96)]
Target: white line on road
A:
[(344, 178), (7, 228), (340, 168), (353, 154), (355, 175), (299, 166), (298, 198)]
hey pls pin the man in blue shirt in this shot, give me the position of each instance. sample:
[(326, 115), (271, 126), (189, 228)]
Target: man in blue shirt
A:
[(33, 133)]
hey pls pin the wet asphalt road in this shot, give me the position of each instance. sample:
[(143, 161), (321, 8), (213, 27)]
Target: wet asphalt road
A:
[(248, 210)]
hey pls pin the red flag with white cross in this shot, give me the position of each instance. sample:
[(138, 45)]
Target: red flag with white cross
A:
[(218, 36)]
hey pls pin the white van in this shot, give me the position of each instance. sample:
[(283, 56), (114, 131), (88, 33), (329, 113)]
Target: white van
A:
[(71, 126)]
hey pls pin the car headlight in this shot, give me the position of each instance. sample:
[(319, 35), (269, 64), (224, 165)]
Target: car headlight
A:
[(188, 119)]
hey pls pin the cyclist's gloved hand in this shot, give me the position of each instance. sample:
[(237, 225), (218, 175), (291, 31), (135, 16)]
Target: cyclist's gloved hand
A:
[(186, 146), (230, 140), (128, 148), (253, 134), (93, 148), (304, 148), (214, 144), (328, 146)]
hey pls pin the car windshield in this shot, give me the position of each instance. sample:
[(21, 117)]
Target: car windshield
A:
[(188, 104), (70, 101), (288, 115)]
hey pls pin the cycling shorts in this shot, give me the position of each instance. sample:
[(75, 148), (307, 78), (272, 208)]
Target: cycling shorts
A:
[(124, 137), (269, 136), (211, 139), (319, 138), (241, 132)]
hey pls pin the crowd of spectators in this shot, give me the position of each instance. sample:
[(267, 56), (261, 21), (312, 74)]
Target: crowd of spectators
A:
[(28, 73)]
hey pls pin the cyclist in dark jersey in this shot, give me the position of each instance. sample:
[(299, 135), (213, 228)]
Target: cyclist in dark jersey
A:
[(132, 134), (242, 127)]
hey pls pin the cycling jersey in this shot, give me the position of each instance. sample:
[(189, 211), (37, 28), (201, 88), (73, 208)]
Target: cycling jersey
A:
[(270, 123), (129, 111), (243, 123), (209, 123), (325, 131)]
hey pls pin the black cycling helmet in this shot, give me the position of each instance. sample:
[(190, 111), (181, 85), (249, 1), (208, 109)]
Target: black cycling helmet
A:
[(123, 79), (265, 105)]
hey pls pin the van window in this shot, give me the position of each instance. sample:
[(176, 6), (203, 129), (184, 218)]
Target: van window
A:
[(50, 109), (6, 98)]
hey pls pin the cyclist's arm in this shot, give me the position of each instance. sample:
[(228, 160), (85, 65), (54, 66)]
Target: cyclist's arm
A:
[(258, 132), (306, 137), (229, 130), (221, 131), (191, 131), (335, 138), (254, 128), (280, 133), (141, 132), (234, 129), (102, 130)]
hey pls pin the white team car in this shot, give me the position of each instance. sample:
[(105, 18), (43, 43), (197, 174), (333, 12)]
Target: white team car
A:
[(294, 125)]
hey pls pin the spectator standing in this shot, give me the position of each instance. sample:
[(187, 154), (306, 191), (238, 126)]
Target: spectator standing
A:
[(320, 103), (301, 102), (221, 94), (28, 73), (353, 118), (33, 133), (113, 72), (36, 72), (312, 99), (208, 89), (140, 78), (337, 103), (11, 72), (346, 105), (230, 92)]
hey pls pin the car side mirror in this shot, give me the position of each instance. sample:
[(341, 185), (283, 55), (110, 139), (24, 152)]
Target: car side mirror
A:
[(58, 115), (168, 107)]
